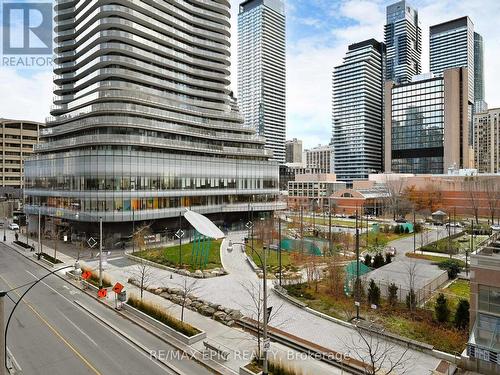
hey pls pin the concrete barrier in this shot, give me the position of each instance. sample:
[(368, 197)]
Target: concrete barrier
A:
[(189, 340)]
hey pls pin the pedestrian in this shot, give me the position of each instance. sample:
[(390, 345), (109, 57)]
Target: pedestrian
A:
[(17, 236)]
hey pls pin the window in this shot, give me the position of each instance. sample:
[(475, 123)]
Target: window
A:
[(489, 299)]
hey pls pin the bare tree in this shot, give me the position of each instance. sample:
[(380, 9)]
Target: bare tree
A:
[(398, 204), (256, 309), (335, 276), (379, 355), (492, 190), (188, 288), (139, 236), (411, 269), (143, 274), (472, 189)]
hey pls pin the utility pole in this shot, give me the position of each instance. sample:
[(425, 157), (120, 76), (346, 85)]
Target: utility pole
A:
[(100, 252), (279, 245), (180, 239), (330, 245), (357, 286), (414, 233), (39, 233), (133, 230), (471, 248), (3, 349), (264, 369), (301, 228)]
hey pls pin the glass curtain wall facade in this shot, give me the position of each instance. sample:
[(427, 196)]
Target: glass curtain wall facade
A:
[(358, 111), (417, 134), (452, 46), (480, 104), (143, 122), (262, 71), (403, 39)]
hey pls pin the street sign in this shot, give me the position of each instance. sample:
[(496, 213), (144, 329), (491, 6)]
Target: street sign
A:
[(374, 307), (356, 303), (102, 293), (122, 297), (179, 233), (249, 225), (269, 310), (91, 242), (267, 344), (86, 275), (118, 288)]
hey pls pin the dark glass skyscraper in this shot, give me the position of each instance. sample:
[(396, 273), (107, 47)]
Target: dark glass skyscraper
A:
[(480, 104), (403, 39)]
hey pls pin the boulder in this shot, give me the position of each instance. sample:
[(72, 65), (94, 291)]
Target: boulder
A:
[(220, 316), (229, 323), (158, 291), (206, 310)]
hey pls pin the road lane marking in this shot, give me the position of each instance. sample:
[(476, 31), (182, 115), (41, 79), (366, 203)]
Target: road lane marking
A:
[(79, 329), (140, 348), (54, 331)]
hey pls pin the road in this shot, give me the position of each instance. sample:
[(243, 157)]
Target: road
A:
[(50, 334)]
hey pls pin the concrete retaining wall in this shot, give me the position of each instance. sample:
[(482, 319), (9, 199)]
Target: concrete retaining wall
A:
[(163, 327)]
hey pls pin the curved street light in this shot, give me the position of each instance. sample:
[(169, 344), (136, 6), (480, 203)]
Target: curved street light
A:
[(265, 317), (76, 266)]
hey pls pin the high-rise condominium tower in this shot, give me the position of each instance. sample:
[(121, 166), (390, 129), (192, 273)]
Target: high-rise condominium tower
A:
[(480, 104), (452, 46), (262, 71), (143, 121), (403, 39), (358, 111)]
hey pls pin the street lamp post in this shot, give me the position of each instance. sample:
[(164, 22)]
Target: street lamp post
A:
[(100, 252), (357, 286), (3, 344), (279, 246), (4, 225), (265, 317), (414, 233), (39, 232), (3, 339)]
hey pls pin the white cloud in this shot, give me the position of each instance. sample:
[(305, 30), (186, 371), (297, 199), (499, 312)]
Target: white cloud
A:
[(25, 97)]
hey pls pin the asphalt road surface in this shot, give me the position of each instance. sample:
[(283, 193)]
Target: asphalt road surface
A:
[(50, 334)]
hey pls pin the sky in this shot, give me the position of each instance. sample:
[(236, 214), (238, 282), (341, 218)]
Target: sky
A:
[(318, 33)]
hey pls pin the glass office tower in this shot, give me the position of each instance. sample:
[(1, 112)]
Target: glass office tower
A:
[(403, 39), (480, 104), (143, 122), (358, 111), (262, 71), (426, 123)]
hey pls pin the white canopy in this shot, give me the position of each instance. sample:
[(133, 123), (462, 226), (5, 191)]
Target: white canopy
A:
[(203, 225)]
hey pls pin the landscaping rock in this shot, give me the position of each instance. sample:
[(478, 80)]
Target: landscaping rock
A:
[(206, 310), (158, 291), (220, 316), (229, 323)]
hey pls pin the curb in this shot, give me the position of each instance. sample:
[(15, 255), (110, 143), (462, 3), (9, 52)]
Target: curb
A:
[(126, 336), (196, 355)]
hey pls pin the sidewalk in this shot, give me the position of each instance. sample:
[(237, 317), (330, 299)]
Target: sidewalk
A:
[(240, 344)]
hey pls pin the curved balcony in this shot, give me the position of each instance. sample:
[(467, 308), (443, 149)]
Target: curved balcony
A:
[(134, 140)]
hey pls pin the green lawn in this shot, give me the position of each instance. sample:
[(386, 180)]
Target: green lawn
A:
[(396, 320), (335, 222), (457, 290), (272, 258), (433, 258), (170, 256), (461, 244)]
